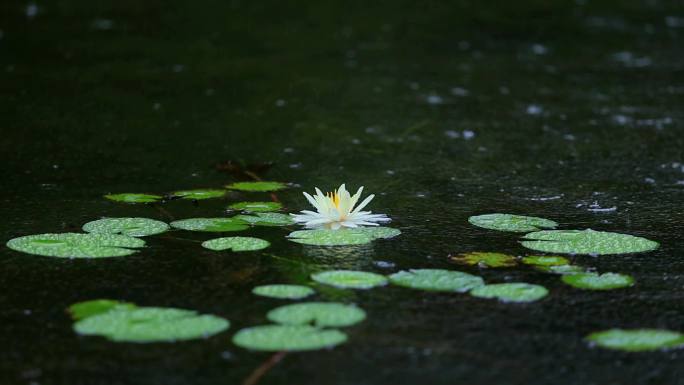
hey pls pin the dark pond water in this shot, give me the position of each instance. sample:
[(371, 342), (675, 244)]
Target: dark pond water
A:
[(445, 110)]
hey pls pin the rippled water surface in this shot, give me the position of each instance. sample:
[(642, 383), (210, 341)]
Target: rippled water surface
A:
[(570, 111)]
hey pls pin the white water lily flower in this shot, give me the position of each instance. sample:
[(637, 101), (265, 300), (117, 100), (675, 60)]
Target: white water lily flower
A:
[(336, 210)]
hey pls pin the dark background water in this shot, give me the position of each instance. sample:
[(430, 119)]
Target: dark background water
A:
[(444, 109)]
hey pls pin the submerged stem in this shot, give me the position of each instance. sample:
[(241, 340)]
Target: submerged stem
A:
[(259, 372)]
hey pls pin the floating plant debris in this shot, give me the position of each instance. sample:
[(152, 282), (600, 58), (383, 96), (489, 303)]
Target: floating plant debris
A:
[(511, 292), (320, 314), (257, 186), (510, 222), (485, 259), (562, 269), (199, 194), (637, 340), (350, 279), (342, 237), (436, 280), (337, 210), (283, 291), (134, 198), (545, 260), (150, 324), (236, 244), (211, 224), (75, 245), (586, 242), (133, 227), (593, 281), (275, 338), (266, 219), (256, 207), (86, 309)]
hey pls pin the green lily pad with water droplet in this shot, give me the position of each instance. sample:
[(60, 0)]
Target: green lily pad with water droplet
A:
[(637, 340), (545, 260), (75, 245), (87, 309), (151, 324), (350, 279), (133, 227), (256, 207), (283, 291), (199, 194), (436, 280), (211, 224), (275, 338), (511, 292), (342, 237), (320, 314), (593, 281), (257, 186), (562, 269), (134, 198), (236, 244), (510, 222), (586, 242), (485, 259), (267, 219)]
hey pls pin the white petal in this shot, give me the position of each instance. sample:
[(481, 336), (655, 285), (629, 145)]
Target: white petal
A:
[(364, 203)]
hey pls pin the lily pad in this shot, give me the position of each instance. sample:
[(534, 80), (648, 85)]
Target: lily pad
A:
[(151, 324), (586, 242), (275, 338), (436, 280), (545, 260), (342, 237), (256, 207), (211, 224), (350, 279), (199, 194), (510, 222), (637, 340), (511, 292), (283, 291), (320, 314), (267, 219), (134, 198), (257, 186), (236, 244), (593, 281), (483, 259), (75, 245), (87, 309), (133, 227), (562, 269)]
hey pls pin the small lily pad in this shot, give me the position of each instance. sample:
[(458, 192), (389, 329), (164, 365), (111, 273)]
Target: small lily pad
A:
[(436, 280), (510, 222), (256, 207), (483, 259), (275, 338), (350, 279), (593, 281), (87, 309), (134, 198), (199, 194), (267, 219), (211, 224), (283, 291), (586, 242), (545, 260), (236, 244), (151, 324), (75, 245), (637, 340), (133, 227), (342, 237), (562, 269), (257, 186), (320, 314), (511, 292)]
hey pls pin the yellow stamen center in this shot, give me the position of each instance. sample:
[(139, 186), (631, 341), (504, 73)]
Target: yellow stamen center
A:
[(335, 198)]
